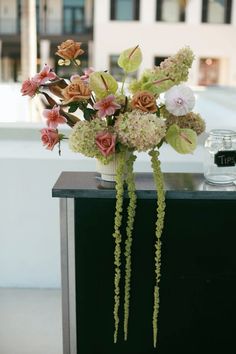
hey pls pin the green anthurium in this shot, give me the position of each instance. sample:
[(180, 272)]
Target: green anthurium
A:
[(183, 141), (130, 59), (102, 84)]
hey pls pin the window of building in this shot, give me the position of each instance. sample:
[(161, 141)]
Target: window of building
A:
[(74, 18), (158, 60), (117, 72), (170, 11), (209, 71), (216, 11), (124, 10)]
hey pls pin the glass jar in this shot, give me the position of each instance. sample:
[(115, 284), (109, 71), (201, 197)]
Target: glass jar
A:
[(220, 157)]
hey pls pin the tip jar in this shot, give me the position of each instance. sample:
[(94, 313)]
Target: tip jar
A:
[(220, 157)]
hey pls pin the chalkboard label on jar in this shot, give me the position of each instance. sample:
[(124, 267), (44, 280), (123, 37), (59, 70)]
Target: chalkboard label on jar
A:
[(225, 158)]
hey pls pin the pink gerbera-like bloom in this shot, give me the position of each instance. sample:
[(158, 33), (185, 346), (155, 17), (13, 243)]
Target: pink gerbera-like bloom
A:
[(107, 106), (44, 75), (29, 87), (54, 117)]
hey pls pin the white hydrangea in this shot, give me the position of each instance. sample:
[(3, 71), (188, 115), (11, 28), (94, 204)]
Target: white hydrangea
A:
[(140, 131)]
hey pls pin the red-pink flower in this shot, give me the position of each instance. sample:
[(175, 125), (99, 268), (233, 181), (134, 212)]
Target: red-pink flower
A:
[(44, 75), (106, 143), (49, 137), (29, 87), (54, 117), (87, 73), (107, 106)]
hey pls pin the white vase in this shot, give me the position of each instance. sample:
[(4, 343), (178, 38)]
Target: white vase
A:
[(108, 172)]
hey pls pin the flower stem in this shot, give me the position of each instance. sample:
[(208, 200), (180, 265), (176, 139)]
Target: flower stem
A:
[(159, 182), (128, 243), (123, 83)]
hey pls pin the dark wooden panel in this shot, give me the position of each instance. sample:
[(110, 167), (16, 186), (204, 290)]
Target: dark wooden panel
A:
[(198, 284)]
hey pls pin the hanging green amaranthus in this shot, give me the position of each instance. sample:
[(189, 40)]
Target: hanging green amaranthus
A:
[(159, 182), (118, 238), (130, 180)]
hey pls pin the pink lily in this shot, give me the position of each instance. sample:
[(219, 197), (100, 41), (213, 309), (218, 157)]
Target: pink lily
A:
[(106, 106), (54, 117), (44, 75)]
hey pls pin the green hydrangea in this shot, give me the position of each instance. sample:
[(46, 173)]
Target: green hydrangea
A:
[(140, 131), (172, 71), (191, 120), (82, 138)]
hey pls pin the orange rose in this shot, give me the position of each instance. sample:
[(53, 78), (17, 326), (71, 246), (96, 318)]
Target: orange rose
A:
[(76, 91), (144, 101), (69, 49)]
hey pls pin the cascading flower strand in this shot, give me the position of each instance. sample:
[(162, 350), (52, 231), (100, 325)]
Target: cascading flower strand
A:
[(130, 180), (159, 182), (118, 238)]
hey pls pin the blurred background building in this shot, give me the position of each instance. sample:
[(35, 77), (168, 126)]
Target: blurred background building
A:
[(106, 27)]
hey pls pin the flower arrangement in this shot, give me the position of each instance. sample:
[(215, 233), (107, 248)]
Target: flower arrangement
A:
[(107, 123)]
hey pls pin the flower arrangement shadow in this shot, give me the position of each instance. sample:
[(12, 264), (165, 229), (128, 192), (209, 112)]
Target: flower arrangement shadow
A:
[(107, 123)]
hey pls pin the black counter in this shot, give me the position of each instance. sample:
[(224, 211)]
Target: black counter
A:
[(177, 185), (198, 281)]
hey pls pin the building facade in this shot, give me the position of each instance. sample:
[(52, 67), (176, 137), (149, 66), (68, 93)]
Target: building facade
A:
[(161, 27), (53, 22), (106, 27)]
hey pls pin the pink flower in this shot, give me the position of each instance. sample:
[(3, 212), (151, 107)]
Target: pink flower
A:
[(44, 75), (75, 76), (29, 87), (87, 73), (49, 137), (106, 143), (53, 117), (107, 106)]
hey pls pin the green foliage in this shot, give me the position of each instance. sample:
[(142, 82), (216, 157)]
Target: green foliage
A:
[(130, 59), (103, 84), (172, 71), (73, 107), (184, 141), (88, 113)]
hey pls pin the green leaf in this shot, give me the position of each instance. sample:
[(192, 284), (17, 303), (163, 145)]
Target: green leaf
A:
[(73, 107), (102, 84), (183, 141), (88, 113), (130, 59)]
